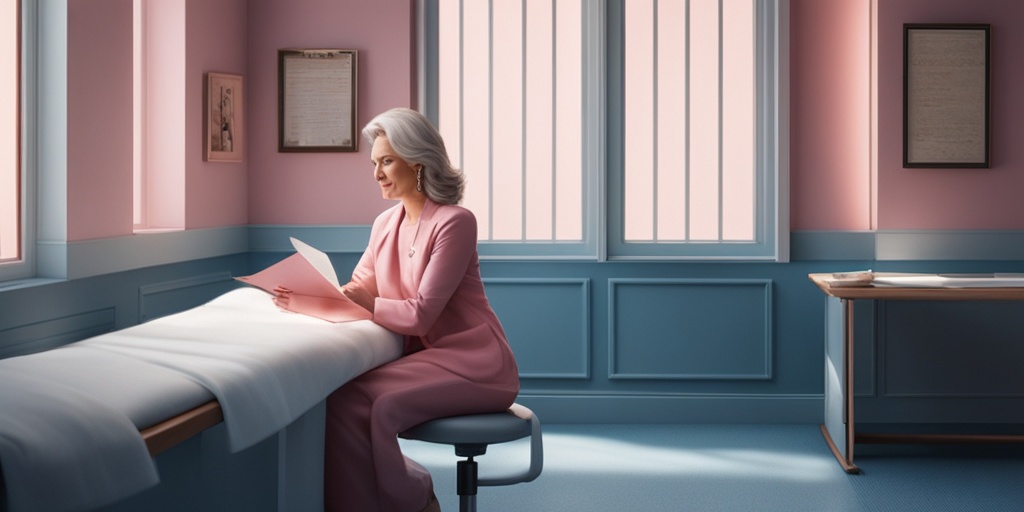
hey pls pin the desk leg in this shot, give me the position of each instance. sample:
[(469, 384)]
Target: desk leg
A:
[(838, 427)]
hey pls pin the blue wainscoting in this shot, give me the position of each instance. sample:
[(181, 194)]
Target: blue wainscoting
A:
[(667, 342), (54, 331), (596, 342), (637, 342), (944, 362), (548, 324), (690, 329), (49, 313)]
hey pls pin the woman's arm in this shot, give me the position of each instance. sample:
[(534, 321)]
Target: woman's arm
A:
[(362, 288), (360, 295), (453, 248)]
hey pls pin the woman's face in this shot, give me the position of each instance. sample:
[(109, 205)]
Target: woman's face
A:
[(397, 179)]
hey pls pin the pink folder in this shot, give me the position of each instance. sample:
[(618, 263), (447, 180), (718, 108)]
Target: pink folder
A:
[(308, 272)]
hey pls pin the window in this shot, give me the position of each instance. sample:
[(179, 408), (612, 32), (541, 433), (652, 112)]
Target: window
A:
[(618, 129), (527, 158), (12, 230)]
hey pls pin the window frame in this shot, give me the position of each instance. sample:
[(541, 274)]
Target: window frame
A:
[(603, 236), (25, 266), (592, 185), (772, 150), (603, 230)]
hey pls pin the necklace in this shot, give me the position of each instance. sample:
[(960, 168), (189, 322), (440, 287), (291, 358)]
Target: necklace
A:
[(412, 245)]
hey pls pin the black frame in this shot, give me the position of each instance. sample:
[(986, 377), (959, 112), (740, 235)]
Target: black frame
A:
[(324, 96), (911, 117)]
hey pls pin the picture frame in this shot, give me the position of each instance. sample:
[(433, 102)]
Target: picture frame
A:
[(946, 95), (317, 98), (224, 119)]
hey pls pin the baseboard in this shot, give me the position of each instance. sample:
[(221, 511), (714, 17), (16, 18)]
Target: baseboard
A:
[(669, 409)]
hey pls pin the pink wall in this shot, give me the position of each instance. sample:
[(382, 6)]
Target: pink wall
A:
[(99, 168), (831, 143), (99, 172), (324, 188), (216, 193), (953, 198), (831, 156), (830, 50)]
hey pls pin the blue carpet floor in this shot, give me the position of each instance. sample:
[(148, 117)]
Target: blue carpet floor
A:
[(615, 468)]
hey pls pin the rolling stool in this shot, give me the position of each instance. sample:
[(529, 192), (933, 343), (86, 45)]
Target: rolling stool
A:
[(471, 434)]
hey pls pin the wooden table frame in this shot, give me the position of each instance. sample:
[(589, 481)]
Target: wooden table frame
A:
[(838, 427), (168, 433)]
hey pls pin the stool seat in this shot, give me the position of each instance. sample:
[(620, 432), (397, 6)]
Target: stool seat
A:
[(499, 427), (470, 436)]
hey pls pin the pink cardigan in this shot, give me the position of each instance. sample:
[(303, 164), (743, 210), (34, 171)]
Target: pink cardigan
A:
[(450, 297)]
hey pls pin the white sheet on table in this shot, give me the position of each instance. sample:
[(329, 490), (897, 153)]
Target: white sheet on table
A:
[(951, 280), (62, 450), (146, 393), (74, 444), (265, 366)]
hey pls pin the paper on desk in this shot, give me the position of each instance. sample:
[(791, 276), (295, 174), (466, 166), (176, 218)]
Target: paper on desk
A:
[(856, 278), (952, 280)]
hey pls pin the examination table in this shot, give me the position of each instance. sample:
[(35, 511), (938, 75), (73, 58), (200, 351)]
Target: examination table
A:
[(80, 424)]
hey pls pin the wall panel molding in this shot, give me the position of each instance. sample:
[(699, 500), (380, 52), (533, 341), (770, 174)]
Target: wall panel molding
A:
[(55, 332), (165, 297), (690, 329), (674, 409), (547, 321), (950, 350)]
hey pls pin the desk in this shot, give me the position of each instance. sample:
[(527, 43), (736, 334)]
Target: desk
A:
[(838, 427)]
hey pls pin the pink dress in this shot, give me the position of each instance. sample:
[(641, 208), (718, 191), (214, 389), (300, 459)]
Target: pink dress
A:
[(457, 360)]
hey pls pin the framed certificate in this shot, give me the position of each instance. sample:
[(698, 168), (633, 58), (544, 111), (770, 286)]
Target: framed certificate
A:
[(317, 100), (946, 95)]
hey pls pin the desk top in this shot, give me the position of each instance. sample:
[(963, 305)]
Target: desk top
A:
[(873, 292)]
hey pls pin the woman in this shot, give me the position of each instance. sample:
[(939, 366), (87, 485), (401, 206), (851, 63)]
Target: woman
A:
[(420, 277)]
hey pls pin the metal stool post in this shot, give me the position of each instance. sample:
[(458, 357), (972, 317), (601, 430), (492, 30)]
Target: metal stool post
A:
[(470, 435)]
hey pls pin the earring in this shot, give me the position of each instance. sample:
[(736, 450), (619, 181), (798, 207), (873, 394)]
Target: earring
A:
[(419, 179)]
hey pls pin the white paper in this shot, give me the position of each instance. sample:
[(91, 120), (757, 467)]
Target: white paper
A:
[(952, 281), (319, 259)]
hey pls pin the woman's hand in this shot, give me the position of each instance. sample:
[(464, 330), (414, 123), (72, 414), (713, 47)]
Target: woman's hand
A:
[(359, 295), (282, 297)]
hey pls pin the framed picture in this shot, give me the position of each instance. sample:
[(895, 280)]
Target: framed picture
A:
[(946, 95), (224, 121), (317, 100)]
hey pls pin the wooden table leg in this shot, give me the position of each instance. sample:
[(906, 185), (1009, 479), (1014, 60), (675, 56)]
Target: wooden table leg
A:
[(848, 384), (847, 466), (839, 382)]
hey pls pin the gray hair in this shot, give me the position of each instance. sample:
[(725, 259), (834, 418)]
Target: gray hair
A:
[(415, 140)]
